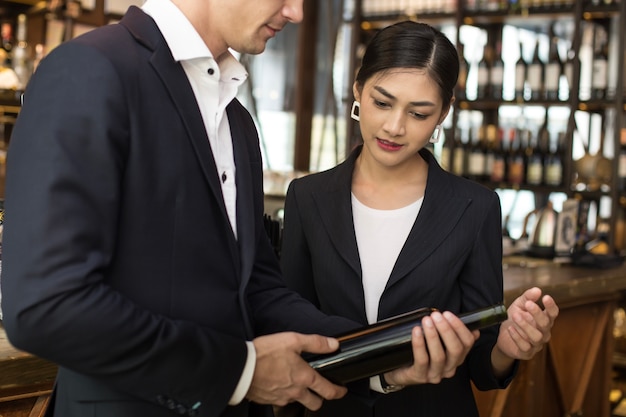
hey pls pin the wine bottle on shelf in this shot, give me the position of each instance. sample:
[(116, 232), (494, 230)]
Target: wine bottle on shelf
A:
[(572, 64), (554, 165), (458, 156), (6, 31), (490, 151), (534, 160), (554, 69), (498, 170), (535, 75), (599, 77), (386, 345), (21, 57), (461, 85), (482, 81), (515, 160), (496, 72), (476, 157), (520, 74)]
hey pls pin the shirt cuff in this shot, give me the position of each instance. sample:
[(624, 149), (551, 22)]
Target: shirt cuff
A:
[(246, 377), (375, 384)]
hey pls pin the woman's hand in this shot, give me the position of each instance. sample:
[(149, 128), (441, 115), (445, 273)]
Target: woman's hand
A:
[(526, 331), (440, 345)]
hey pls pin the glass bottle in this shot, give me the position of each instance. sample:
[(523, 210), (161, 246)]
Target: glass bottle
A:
[(535, 75), (21, 57), (482, 82), (553, 71), (461, 85), (520, 74), (496, 72)]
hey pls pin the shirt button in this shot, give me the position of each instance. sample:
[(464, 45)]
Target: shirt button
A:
[(211, 71)]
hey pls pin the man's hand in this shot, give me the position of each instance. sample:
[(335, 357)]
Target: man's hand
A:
[(281, 375), (440, 345)]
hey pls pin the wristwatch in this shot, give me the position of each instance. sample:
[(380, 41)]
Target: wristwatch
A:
[(387, 388)]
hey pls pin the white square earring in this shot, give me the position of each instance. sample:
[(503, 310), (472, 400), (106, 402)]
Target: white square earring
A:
[(434, 138), (356, 110)]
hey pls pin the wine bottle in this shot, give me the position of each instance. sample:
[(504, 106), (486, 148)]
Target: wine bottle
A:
[(491, 151), (520, 74), (496, 72), (498, 170), (6, 31), (482, 80), (600, 66), (459, 154), (554, 165), (535, 75), (461, 85), (515, 160), (554, 69), (386, 345), (21, 58), (572, 64), (534, 160), (476, 157)]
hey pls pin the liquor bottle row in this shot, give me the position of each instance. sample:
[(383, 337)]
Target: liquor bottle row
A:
[(513, 76), (508, 156), (373, 8)]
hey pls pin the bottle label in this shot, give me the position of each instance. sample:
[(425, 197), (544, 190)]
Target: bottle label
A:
[(457, 166), (554, 174), (482, 76), (553, 73), (534, 77), (535, 172), (520, 73), (621, 169), (498, 170), (599, 79), (476, 163), (497, 75)]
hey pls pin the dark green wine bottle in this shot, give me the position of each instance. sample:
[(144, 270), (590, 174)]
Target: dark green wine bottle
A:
[(386, 345)]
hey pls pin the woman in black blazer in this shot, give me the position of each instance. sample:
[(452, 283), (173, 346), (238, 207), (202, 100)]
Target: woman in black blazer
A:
[(389, 231)]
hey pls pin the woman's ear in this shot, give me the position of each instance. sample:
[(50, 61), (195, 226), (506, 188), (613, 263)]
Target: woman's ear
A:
[(444, 114), (356, 91)]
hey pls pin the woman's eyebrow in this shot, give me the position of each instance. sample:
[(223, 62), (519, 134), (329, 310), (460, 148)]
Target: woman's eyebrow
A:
[(413, 103)]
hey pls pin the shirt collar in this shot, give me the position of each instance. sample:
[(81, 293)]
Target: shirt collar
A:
[(184, 41)]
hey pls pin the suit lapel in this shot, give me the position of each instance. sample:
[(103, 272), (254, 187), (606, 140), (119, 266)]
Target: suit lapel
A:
[(245, 193), (438, 216), (335, 207), (175, 80)]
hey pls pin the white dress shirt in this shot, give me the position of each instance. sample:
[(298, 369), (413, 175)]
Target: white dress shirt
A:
[(214, 85)]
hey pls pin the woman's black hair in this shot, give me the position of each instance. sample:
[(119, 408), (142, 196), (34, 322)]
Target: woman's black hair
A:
[(410, 44)]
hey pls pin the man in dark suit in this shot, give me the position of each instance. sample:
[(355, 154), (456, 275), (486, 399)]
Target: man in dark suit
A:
[(134, 250)]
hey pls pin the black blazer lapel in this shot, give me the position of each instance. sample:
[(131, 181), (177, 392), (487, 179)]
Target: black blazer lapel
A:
[(145, 31), (335, 207), (438, 216), (245, 192)]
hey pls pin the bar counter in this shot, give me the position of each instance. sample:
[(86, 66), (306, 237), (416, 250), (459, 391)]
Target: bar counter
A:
[(571, 377)]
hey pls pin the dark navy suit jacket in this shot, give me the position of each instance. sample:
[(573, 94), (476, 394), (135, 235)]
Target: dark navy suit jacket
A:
[(452, 260), (119, 260)]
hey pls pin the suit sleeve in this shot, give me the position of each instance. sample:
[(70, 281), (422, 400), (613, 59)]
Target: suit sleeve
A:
[(64, 191), (482, 284)]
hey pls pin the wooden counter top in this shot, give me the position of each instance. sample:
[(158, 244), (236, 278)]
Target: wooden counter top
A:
[(566, 283), (22, 375)]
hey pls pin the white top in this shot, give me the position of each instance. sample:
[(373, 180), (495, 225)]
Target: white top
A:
[(380, 236)]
